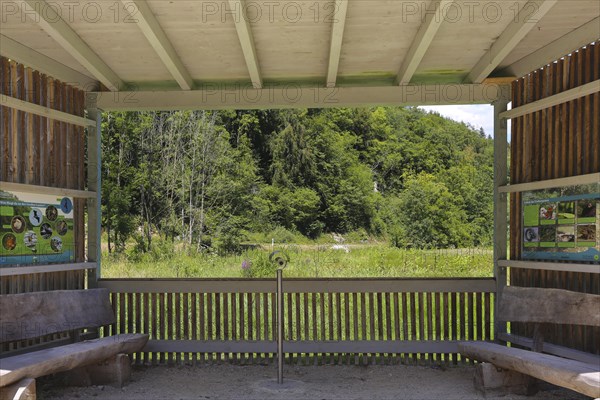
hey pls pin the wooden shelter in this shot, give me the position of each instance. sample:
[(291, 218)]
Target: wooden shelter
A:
[(64, 63)]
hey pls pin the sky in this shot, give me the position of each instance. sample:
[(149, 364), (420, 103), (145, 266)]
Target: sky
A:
[(480, 115)]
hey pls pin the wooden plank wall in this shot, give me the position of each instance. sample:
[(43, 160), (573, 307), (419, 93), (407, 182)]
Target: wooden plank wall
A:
[(40, 151), (336, 315), (557, 142)]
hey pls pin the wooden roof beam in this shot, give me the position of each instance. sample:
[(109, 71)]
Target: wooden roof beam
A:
[(422, 41), (510, 38), (14, 50), (562, 46), (61, 32), (244, 32), (157, 38), (337, 37), (222, 97)]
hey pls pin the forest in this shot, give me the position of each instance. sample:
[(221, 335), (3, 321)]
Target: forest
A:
[(218, 180)]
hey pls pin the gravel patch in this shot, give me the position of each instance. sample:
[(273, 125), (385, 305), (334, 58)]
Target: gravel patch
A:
[(304, 382)]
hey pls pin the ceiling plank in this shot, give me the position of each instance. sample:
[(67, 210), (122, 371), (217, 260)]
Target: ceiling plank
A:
[(337, 37), (14, 50), (510, 38), (63, 34), (422, 41), (157, 38), (244, 32), (562, 46), (221, 97)]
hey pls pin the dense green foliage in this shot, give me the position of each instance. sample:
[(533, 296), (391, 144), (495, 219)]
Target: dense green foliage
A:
[(211, 180)]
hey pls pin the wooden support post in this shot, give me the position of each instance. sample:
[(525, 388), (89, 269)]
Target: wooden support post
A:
[(115, 371), (500, 205), (94, 184), (490, 379)]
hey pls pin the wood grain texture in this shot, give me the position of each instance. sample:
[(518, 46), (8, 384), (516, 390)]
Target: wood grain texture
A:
[(571, 135), (575, 375), (556, 306), (64, 358), (29, 315)]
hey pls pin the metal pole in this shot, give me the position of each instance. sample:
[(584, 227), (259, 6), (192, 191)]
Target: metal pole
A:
[(279, 326)]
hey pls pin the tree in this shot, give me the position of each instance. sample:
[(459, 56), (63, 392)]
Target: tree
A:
[(430, 215)]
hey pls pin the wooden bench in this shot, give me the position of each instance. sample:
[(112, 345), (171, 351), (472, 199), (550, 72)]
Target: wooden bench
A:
[(34, 315), (541, 307)]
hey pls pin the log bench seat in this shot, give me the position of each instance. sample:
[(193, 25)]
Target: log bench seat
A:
[(33, 315), (541, 307)]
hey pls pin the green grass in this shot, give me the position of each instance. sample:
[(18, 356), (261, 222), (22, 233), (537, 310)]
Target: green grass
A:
[(306, 261)]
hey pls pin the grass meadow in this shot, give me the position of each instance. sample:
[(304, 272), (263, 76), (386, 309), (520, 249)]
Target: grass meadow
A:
[(374, 260)]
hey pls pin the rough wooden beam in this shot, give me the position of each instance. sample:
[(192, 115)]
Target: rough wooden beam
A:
[(26, 188), (216, 97), (62, 33), (562, 46), (64, 358), (157, 38), (22, 390), (500, 203), (114, 371), (575, 375), (549, 348), (244, 31), (22, 105), (303, 346), (31, 315), (468, 285), (94, 182), (551, 101), (44, 269), (490, 379), (421, 42), (510, 38), (524, 304), (552, 266), (335, 44), (14, 50), (552, 183)]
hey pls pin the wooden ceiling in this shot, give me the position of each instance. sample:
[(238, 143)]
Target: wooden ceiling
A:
[(177, 45)]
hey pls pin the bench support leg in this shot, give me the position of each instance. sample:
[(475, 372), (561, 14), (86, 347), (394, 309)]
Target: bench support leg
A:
[(491, 379), (22, 390), (115, 371)]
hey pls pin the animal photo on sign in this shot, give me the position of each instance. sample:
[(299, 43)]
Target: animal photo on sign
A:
[(586, 209), (548, 234), (566, 210), (586, 233), (548, 211), (532, 235), (566, 234)]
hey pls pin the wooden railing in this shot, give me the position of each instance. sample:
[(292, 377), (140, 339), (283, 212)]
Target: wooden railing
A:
[(327, 321)]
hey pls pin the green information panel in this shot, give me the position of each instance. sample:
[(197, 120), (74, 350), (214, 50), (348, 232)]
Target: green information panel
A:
[(562, 224), (36, 229)]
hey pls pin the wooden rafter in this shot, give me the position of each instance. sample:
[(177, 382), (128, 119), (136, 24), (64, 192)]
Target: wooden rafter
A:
[(63, 34), (562, 46), (421, 42), (510, 38), (337, 36), (244, 32), (148, 24), (14, 50)]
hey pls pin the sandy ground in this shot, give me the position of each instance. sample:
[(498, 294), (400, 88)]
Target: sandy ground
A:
[(315, 382)]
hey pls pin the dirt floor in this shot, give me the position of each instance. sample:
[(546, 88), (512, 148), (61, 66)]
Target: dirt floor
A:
[(315, 382)]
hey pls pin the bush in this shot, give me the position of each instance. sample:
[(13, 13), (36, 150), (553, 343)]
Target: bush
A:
[(256, 264)]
